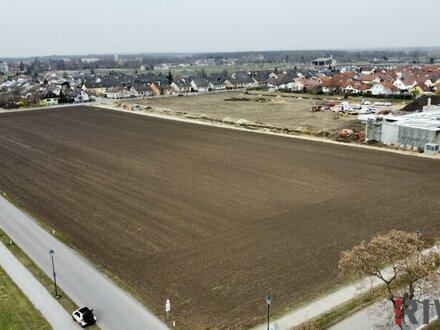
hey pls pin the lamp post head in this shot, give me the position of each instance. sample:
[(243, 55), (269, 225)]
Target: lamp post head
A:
[(268, 299), (51, 252)]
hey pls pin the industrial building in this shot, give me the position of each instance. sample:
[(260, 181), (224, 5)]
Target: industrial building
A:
[(324, 61), (412, 131)]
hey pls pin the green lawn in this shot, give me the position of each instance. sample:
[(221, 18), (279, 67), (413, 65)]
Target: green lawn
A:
[(16, 311), (46, 281), (433, 326)]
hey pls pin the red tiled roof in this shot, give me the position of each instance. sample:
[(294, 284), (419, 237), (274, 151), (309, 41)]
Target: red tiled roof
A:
[(390, 86), (367, 77)]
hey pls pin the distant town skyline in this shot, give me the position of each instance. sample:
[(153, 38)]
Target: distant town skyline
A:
[(198, 26)]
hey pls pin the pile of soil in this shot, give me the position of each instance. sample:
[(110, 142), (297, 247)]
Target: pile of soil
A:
[(238, 99), (278, 100), (419, 103), (261, 99)]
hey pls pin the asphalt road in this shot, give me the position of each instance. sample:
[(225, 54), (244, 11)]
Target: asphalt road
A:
[(114, 308), (212, 218), (37, 294)]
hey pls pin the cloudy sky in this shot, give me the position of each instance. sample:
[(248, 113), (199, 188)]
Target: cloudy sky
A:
[(48, 27)]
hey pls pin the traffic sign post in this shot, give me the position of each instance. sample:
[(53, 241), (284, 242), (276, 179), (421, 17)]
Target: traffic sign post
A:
[(168, 307)]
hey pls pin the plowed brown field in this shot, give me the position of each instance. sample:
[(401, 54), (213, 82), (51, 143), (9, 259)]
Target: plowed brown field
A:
[(212, 218)]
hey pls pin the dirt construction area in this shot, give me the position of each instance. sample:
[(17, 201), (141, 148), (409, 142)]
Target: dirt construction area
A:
[(213, 219), (290, 112)]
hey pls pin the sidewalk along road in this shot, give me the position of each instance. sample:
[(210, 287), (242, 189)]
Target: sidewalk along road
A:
[(381, 316), (80, 280), (37, 294), (369, 318), (325, 304)]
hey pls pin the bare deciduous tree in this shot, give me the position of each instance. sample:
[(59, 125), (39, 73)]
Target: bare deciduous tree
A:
[(395, 256)]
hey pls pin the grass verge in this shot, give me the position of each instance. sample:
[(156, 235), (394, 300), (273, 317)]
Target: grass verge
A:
[(340, 313), (351, 307), (46, 281), (433, 326), (17, 312)]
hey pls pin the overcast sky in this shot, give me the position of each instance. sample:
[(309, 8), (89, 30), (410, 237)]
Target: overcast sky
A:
[(48, 27)]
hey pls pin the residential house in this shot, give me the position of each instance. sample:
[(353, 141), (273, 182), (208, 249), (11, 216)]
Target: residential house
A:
[(216, 84), (384, 88), (369, 79), (310, 85), (337, 82), (420, 88), (161, 87), (48, 98), (350, 88), (229, 85), (241, 80), (181, 86), (368, 70), (436, 85), (285, 82), (166, 88), (385, 76), (328, 85), (400, 84), (8, 84), (78, 95), (260, 77), (95, 87), (409, 82), (200, 85), (297, 86), (356, 87), (28, 90), (155, 88), (272, 81), (141, 90), (118, 93), (425, 80), (133, 91)]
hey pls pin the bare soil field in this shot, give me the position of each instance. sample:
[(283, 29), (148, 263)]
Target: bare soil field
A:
[(287, 111), (211, 218)]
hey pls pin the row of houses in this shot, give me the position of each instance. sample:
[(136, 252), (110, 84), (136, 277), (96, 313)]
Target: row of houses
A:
[(383, 82), (117, 86), (424, 80), (46, 91), (53, 95), (52, 88), (372, 81)]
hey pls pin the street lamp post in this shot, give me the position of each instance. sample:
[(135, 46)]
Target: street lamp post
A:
[(51, 253), (268, 301)]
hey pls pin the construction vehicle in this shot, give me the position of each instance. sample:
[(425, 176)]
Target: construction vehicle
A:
[(322, 106), (316, 108)]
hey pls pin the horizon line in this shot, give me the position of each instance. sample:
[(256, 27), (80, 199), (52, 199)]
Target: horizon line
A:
[(221, 52)]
